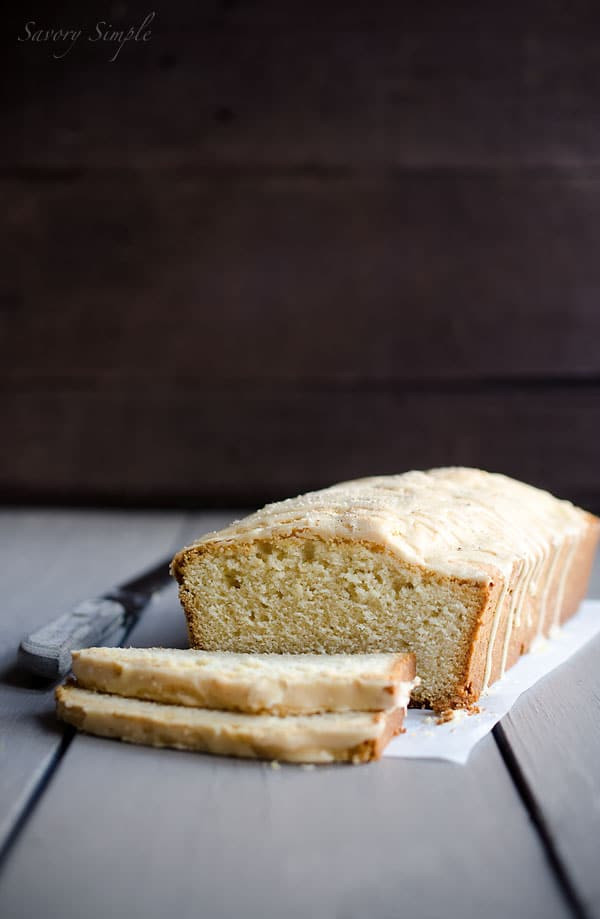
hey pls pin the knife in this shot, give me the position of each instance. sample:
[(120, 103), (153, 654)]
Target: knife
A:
[(104, 620)]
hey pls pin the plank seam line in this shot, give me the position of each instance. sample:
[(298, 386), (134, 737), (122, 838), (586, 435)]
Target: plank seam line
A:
[(87, 383), (36, 794), (322, 170), (536, 816)]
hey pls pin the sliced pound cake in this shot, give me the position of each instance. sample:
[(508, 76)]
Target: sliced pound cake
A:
[(462, 567)]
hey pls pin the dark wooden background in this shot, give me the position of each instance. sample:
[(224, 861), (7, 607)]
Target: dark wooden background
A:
[(284, 244)]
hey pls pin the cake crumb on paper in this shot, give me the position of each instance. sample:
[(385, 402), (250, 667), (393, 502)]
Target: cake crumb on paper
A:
[(456, 715)]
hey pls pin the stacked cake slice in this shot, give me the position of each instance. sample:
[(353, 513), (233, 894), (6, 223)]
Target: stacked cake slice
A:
[(305, 708)]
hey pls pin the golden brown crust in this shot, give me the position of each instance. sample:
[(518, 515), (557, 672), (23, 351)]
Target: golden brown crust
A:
[(74, 715), (371, 750), (404, 669), (468, 689)]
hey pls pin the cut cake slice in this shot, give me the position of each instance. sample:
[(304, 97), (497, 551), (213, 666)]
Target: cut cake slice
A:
[(355, 737), (274, 683)]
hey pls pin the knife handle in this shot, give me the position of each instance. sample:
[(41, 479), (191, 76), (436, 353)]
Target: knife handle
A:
[(101, 621)]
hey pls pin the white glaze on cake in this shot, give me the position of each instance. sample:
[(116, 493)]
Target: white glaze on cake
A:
[(570, 555), (455, 520), (555, 551)]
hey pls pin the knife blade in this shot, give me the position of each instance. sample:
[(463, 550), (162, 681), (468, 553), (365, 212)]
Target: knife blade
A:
[(103, 620)]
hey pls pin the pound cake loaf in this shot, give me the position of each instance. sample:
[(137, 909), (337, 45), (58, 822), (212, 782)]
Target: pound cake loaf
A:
[(460, 566), (298, 684), (355, 737)]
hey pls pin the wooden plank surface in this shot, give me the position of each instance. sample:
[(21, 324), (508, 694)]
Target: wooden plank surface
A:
[(125, 831), (554, 735), (50, 561), (128, 831), (186, 443)]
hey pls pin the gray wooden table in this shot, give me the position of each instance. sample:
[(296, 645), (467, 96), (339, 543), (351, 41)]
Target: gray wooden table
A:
[(95, 828)]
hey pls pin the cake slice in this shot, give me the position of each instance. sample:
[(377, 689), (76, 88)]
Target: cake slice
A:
[(355, 737), (278, 684), (462, 567)]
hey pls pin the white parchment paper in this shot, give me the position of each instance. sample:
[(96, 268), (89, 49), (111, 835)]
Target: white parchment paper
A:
[(454, 740)]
